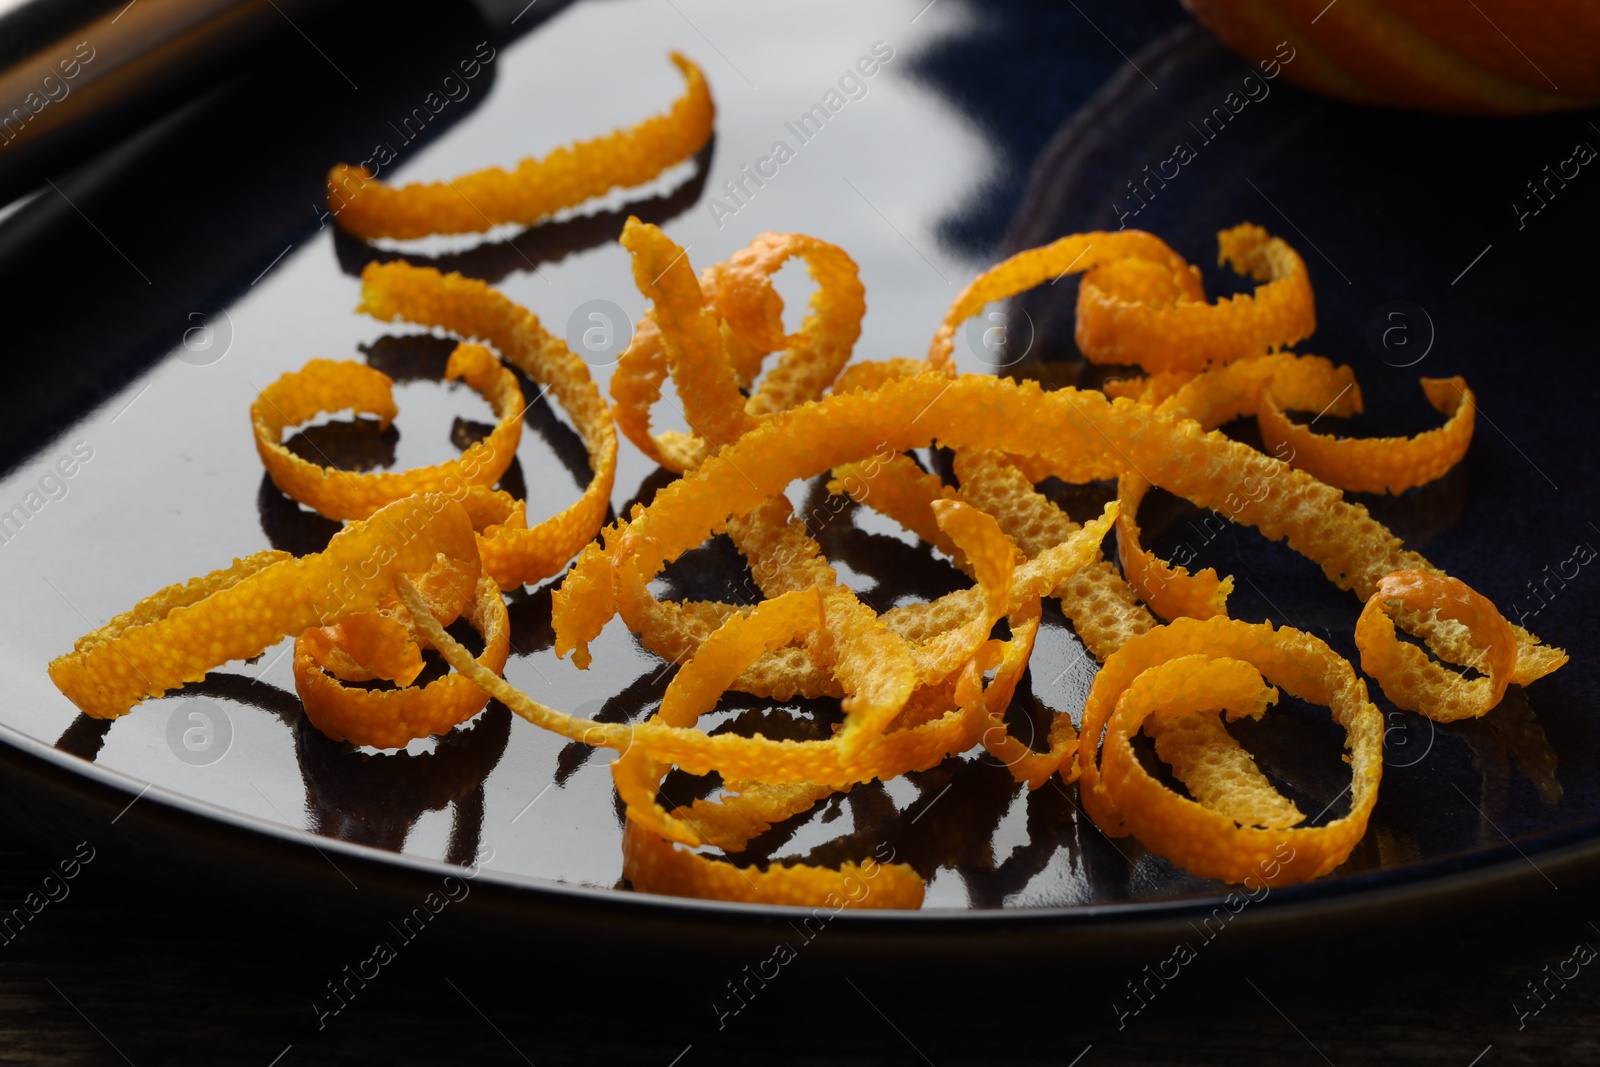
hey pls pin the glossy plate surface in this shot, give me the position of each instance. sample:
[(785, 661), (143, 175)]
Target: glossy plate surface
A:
[(1408, 225)]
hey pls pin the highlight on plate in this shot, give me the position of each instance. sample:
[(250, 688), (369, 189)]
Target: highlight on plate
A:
[(921, 682)]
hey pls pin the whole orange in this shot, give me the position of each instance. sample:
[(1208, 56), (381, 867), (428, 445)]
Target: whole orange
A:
[(1479, 57)]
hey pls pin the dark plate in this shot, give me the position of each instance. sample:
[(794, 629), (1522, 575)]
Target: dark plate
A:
[(150, 375)]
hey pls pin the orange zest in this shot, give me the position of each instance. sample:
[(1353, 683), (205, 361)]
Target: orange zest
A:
[(388, 718), (1409, 678), (1377, 464), (1217, 666), (1186, 334), (180, 633), (536, 188), (513, 554), (324, 385)]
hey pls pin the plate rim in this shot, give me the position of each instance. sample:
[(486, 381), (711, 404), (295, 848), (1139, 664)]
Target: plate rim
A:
[(1493, 872)]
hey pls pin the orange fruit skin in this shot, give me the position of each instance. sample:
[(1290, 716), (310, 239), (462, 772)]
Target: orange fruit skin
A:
[(1489, 57)]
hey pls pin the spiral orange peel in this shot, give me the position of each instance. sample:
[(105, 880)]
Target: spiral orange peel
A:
[(1376, 464), (1210, 666), (324, 386), (1408, 677), (1072, 254), (513, 554), (389, 718), (1186, 334)]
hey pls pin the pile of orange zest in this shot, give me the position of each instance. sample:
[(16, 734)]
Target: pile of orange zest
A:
[(512, 553), (1413, 681), (1106, 613), (822, 763), (324, 385), (1214, 666), (536, 188), (389, 718), (1190, 335), (1075, 430), (180, 633), (911, 680), (710, 366), (1375, 464)]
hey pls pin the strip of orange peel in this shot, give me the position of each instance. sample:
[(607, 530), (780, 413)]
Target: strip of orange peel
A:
[(512, 553), (536, 188), (1374, 464), (1192, 335), (324, 385), (1217, 665), (1408, 677), (389, 718), (180, 633)]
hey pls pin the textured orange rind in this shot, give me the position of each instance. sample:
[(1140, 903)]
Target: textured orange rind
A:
[(324, 386), (1217, 665), (513, 554), (180, 633), (1070, 255), (720, 328), (389, 718), (536, 188), (1376, 464), (1408, 677), (1190, 335)]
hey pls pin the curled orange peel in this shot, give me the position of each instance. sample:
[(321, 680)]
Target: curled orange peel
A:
[(689, 332), (1070, 255), (1408, 677), (1207, 666), (323, 386), (752, 311), (178, 634), (1376, 464), (1190, 335), (653, 864), (1171, 590), (721, 327), (536, 188), (513, 553), (389, 718)]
